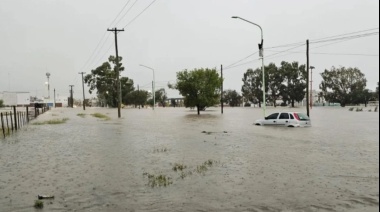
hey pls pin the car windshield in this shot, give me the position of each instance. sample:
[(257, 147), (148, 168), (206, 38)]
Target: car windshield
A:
[(303, 117)]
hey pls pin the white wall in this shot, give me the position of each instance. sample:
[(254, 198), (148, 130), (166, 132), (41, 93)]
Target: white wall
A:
[(15, 98)]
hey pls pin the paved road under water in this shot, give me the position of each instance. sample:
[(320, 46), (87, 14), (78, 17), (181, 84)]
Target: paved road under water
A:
[(90, 164)]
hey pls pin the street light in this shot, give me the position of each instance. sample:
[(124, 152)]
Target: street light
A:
[(261, 48), (48, 84), (311, 87), (153, 86)]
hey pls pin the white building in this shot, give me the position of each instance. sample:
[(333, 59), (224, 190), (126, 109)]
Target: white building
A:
[(15, 98)]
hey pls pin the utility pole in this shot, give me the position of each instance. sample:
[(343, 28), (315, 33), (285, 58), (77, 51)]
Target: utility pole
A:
[(71, 96), (54, 99), (138, 94), (307, 78), (84, 98), (221, 94), (311, 86), (115, 30)]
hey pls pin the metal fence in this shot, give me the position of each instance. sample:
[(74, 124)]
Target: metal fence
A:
[(15, 118)]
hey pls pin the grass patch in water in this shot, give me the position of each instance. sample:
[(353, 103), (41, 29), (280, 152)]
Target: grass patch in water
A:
[(82, 115), (179, 167), (158, 150), (100, 116), (158, 181), (38, 204), (53, 121), (359, 109), (351, 109), (201, 169)]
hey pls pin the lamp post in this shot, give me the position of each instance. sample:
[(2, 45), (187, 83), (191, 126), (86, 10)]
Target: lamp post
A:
[(153, 85), (261, 48), (311, 86), (48, 84)]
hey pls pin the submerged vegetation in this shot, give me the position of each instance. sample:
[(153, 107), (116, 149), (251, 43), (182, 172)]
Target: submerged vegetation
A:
[(38, 204), (164, 180), (53, 121), (82, 115), (158, 181), (100, 116)]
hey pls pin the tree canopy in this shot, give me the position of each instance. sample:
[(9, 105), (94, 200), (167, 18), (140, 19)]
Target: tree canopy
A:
[(200, 87), (287, 82), (343, 85), (232, 98), (103, 80)]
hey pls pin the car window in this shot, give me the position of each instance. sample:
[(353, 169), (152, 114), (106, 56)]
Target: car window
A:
[(273, 116), (284, 116), (303, 117), (291, 116)]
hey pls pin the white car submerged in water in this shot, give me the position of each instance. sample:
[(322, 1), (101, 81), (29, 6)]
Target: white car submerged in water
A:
[(287, 119)]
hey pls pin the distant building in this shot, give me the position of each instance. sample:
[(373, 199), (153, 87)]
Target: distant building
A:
[(15, 98)]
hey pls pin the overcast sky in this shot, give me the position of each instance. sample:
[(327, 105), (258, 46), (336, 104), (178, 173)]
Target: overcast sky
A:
[(61, 36)]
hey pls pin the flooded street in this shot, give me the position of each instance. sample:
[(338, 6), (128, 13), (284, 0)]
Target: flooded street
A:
[(90, 164)]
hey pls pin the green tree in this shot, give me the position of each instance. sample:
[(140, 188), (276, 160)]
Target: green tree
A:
[(161, 97), (103, 79), (1, 103), (275, 83), (252, 86), (294, 76), (343, 85), (200, 87), (137, 98), (232, 98)]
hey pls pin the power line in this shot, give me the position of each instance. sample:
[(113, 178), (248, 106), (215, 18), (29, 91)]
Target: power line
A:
[(343, 54), (339, 41), (120, 13), (351, 33), (318, 39), (240, 60), (140, 13), (348, 37), (126, 12)]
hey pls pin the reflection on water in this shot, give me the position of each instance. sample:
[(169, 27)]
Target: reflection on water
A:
[(95, 165)]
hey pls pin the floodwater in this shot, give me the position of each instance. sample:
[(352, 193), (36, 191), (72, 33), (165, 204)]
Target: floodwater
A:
[(90, 164)]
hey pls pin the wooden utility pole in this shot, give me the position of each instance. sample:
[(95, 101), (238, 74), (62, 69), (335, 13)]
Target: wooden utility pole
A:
[(115, 31), (138, 94), (71, 96), (307, 78), (221, 93), (54, 99), (84, 98)]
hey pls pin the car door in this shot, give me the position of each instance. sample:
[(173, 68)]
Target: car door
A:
[(283, 119), (272, 119)]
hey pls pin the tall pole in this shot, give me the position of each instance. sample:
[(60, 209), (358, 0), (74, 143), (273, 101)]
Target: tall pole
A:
[(307, 78), (221, 93), (115, 30), (153, 85), (261, 48), (54, 99), (311, 86), (138, 94), (84, 98), (48, 84), (71, 96)]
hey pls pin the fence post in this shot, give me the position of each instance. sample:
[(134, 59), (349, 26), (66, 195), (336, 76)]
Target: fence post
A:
[(10, 115), (27, 114), (2, 124), (15, 114), (6, 116)]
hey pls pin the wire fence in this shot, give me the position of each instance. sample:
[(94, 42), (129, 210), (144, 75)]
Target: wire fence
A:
[(13, 119)]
